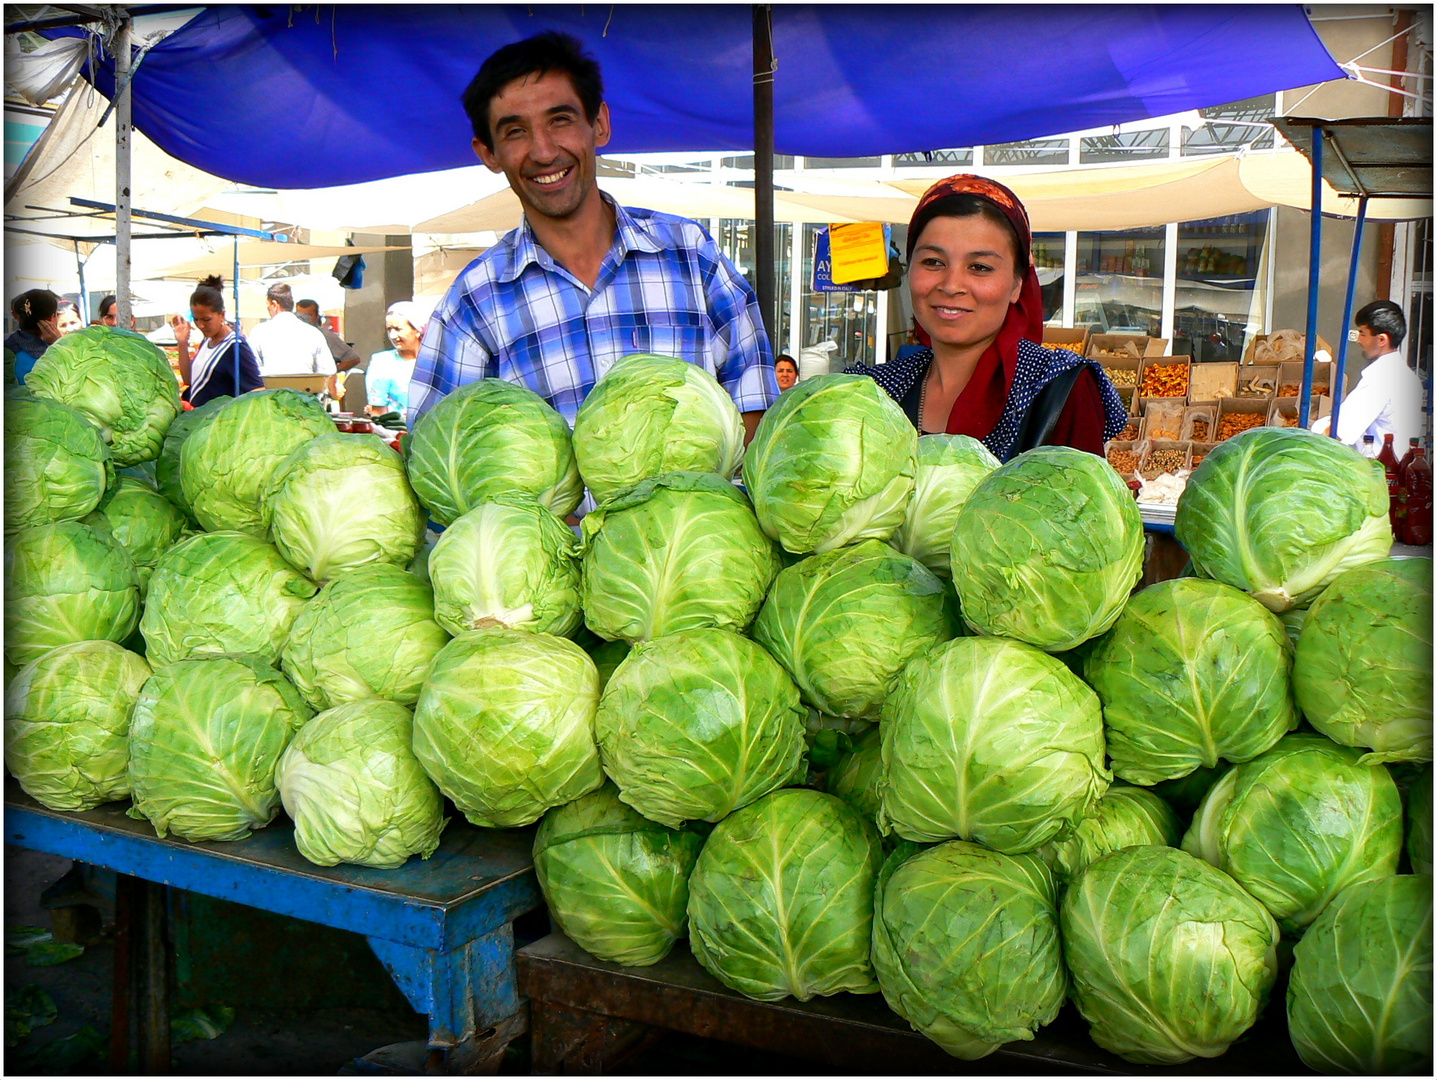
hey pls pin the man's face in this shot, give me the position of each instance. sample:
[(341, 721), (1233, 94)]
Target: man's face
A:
[(543, 144), (1372, 345), (308, 315)]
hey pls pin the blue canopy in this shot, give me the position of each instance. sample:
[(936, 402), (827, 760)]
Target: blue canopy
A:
[(312, 96)]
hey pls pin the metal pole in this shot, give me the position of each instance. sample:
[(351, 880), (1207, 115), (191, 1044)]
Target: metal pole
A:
[(1314, 277), (1339, 384), (84, 304), (763, 162), (236, 323), (122, 174)]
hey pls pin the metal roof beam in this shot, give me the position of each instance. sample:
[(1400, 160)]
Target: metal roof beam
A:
[(195, 223)]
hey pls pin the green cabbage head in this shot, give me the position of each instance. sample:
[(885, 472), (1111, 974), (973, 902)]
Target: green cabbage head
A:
[(655, 414), (356, 793), (844, 624), (66, 582), (1170, 958), (505, 725), (854, 778), (491, 438), (991, 740), (57, 466), (1419, 822), (965, 944), (369, 634), (141, 519), (675, 552), (221, 592), (204, 741), (1124, 817), (1363, 672), (833, 461), (1280, 512), (615, 882), (1299, 824), (167, 465), (1193, 672), (1047, 548), (698, 724), (342, 501), (509, 563), (1359, 999), (67, 724), (781, 899), (231, 455), (949, 468), (122, 382)]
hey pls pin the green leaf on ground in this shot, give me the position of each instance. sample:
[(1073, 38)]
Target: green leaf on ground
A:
[(27, 1008), (63, 1055), (200, 1023), (20, 938), (39, 946)]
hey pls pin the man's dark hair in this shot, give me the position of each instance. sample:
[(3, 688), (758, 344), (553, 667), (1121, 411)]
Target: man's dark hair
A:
[(553, 50), (308, 306), (282, 295), (1383, 317), (106, 304)]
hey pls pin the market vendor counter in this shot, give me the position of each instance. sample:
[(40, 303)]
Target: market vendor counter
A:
[(585, 1015), (442, 927)]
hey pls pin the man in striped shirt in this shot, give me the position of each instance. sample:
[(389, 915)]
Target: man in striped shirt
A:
[(583, 281)]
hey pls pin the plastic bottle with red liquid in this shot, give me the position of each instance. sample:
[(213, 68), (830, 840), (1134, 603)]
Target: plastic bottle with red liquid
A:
[(1417, 529), (1388, 456)]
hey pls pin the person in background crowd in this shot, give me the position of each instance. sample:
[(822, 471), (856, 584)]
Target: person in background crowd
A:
[(284, 345), (389, 373), (69, 319), (38, 313), (583, 281), (983, 372), (1388, 397), (211, 371), (785, 371), (109, 312), (344, 354)]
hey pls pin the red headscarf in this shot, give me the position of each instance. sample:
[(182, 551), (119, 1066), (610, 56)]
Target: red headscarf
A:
[(980, 406)]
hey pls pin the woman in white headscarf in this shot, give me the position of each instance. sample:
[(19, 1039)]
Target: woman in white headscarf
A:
[(387, 380)]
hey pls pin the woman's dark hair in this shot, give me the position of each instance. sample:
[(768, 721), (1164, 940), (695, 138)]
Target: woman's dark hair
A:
[(209, 295), (106, 303), (968, 206), (552, 50), (67, 305), (1383, 317), (32, 308), (784, 358)]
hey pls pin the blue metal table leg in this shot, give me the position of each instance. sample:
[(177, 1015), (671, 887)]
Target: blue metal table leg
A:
[(1314, 277), (1339, 378), (468, 993)]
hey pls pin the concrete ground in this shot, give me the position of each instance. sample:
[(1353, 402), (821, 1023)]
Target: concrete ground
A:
[(261, 1041)]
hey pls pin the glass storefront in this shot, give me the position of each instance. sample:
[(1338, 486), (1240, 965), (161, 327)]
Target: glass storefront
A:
[(1049, 250), (1120, 282), (1217, 280)]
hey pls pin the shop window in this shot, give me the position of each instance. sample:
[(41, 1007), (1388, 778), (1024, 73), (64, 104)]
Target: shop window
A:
[(1049, 250), (842, 162), (935, 157), (1120, 282), (1232, 127), (848, 319), (735, 238), (1218, 262)]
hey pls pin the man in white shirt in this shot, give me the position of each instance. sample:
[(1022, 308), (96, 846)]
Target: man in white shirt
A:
[(284, 344), (1388, 397)]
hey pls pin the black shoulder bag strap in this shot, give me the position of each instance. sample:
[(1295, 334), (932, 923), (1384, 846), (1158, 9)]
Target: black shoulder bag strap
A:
[(1043, 412)]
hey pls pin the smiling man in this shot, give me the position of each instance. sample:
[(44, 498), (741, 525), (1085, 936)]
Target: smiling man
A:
[(583, 281)]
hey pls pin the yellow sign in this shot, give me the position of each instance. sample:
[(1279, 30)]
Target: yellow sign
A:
[(859, 252)]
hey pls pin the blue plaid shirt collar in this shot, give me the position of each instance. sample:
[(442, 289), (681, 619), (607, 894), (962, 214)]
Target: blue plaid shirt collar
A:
[(525, 248)]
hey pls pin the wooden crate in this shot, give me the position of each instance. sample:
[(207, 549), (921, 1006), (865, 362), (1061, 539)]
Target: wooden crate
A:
[(1192, 415), (1250, 373), (1151, 362), (1105, 347), (1211, 382), (1243, 406), (1065, 337), (1148, 470), (1249, 356), (1290, 375), (1162, 419), (1286, 410)]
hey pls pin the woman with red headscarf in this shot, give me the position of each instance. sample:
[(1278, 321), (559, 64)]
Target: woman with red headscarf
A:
[(976, 300)]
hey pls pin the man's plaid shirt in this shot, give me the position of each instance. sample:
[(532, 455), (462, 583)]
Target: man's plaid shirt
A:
[(664, 287)]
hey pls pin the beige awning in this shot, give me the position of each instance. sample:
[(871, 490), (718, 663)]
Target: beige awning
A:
[(258, 254)]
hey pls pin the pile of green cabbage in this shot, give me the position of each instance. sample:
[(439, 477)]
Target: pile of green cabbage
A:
[(889, 717)]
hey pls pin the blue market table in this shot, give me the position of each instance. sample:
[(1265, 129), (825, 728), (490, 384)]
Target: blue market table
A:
[(442, 927)]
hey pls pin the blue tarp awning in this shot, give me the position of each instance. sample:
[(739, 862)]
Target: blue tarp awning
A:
[(319, 95)]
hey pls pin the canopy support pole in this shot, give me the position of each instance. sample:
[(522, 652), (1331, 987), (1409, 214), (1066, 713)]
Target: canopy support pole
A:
[(1314, 277), (123, 99), (84, 304), (763, 248), (1339, 378)]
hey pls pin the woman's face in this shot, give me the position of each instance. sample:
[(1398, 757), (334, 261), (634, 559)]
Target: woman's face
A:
[(785, 373), (208, 321), (962, 280), (402, 334), (68, 321)]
